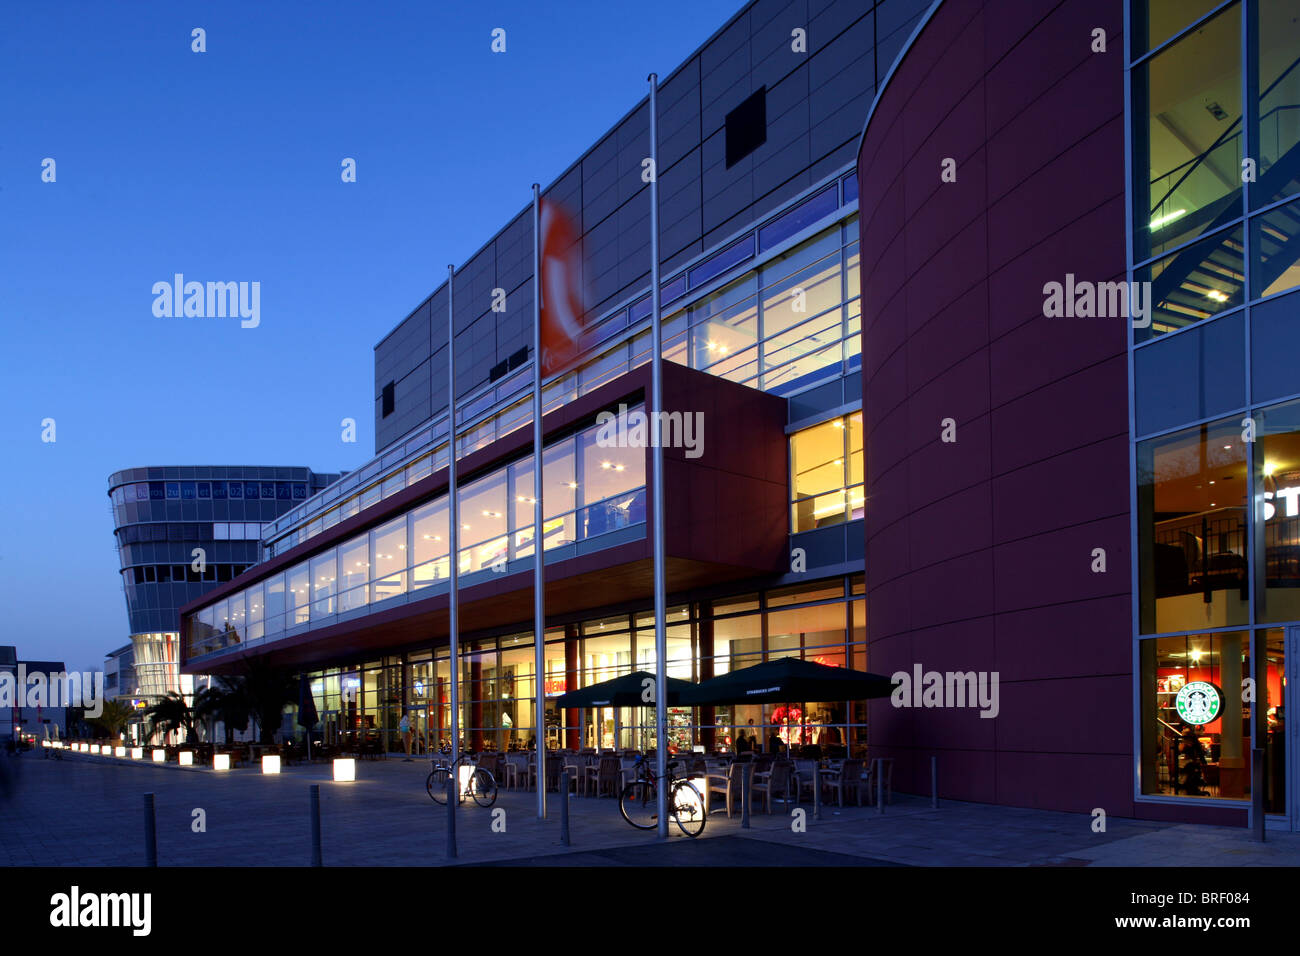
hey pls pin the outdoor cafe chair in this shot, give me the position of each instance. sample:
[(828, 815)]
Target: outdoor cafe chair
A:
[(780, 779), (581, 766), (729, 784), (848, 779), (605, 775)]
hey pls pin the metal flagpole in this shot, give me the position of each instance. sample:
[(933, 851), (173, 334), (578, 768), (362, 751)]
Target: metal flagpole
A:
[(539, 604), (453, 532), (657, 470)]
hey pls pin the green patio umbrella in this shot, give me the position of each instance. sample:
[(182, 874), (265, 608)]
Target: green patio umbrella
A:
[(626, 691), (786, 680)]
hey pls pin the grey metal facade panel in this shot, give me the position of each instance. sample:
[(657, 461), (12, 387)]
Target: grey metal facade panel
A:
[(403, 350), (816, 102), (890, 44), (828, 18), (514, 253), (773, 56)]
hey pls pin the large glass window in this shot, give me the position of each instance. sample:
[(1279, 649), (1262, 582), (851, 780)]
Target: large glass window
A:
[(324, 584), (298, 600), (1187, 136), (388, 551), (429, 544), (1196, 716), (483, 521), (1277, 513), (1275, 114), (1192, 529), (1155, 21), (1195, 283), (1275, 241), (612, 483), (826, 484), (354, 572), (1270, 719)]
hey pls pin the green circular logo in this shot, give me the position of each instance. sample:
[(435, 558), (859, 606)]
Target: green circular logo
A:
[(1198, 702)]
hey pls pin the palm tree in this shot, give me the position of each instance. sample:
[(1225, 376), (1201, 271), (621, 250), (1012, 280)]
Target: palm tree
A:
[(226, 702), (267, 689), (114, 716), (172, 713)]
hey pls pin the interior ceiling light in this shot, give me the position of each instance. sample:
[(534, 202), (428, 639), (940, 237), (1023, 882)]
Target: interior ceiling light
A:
[(1164, 220)]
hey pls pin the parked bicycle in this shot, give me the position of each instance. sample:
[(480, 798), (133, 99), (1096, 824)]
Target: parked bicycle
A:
[(479, 782), (639, 802)]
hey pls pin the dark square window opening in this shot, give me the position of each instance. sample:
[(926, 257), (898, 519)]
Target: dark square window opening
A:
[(746, 127), (388, 395)]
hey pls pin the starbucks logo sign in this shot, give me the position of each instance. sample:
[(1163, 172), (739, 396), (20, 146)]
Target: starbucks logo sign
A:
[(1198, 702)]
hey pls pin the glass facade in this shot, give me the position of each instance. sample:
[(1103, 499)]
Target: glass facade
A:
[(1215, 125), (498, 684), (590, 491), (789, 322)]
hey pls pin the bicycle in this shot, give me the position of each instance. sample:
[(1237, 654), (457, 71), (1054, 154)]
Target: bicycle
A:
[(479, 783), (639, 801)]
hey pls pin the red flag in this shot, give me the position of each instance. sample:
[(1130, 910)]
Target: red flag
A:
[(561, 308)]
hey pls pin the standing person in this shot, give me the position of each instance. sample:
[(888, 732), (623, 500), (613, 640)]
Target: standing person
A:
[(405, 727)]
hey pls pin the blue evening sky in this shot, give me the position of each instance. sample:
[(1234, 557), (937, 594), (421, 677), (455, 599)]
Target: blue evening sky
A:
[(225, 165)]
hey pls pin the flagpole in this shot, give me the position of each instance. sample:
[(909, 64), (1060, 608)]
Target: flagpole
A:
[(657, 476), (539, 581), (453, 533)]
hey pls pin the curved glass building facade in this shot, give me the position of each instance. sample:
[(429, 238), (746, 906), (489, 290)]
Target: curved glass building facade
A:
[(180, 531), (1215, 230)]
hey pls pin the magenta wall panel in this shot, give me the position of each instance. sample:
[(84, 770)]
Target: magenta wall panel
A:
[(978, 551)]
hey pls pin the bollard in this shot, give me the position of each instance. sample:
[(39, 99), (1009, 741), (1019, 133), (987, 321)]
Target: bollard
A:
[(745, 779), (452, 797), (934, 783), (315, 825), (1257, 792), (880, 787), (150, 832), (564, 809)]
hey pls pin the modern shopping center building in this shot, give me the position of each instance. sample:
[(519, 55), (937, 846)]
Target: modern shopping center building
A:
[(988, 308)]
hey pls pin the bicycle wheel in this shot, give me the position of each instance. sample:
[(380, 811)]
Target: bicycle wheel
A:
[(436, 784), (639, 805), (688, 808), (484, 786)]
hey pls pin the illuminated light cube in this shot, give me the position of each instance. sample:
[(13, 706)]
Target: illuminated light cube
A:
[(345, 769), (137, 753), (185, 758), (94, 748), (159, 756), (221, 761), (270, 763), (119, 751)]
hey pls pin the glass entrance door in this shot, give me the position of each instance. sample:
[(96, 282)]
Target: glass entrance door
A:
[(1282, 732)]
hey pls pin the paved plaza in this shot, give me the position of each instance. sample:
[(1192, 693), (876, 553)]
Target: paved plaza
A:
[(87, 811)]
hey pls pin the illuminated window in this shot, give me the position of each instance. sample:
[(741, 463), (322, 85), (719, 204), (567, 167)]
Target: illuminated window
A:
[(826, 485)]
